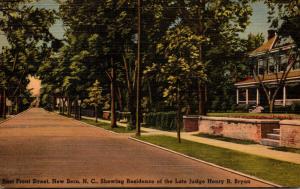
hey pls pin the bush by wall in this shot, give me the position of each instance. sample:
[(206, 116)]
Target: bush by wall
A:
[(161, 120), (291, 109)]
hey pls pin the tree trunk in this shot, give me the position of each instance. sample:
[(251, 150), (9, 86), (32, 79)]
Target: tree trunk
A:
[(53, 103), (178, 114), (202, 99), (16, 105), (4, 103), (138, 75), (96, 114), (80, 110), (130, 98), (271, 106), (63, 105), (132, 110), (113, 118), (76, 112), (120, 101), (150, 96), (69, 107)]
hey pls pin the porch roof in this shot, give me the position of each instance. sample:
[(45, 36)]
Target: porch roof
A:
[(294, 74)]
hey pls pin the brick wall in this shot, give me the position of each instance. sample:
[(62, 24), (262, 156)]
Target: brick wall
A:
[(244, 129), (290, 133)]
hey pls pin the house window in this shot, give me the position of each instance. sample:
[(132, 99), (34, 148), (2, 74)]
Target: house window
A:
[(283, 62), (271, 65), (261, 69)]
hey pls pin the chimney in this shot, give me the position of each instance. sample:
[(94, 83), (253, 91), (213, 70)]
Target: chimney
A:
[(271, 34)]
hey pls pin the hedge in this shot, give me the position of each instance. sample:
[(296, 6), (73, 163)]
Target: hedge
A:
[(161, 120)]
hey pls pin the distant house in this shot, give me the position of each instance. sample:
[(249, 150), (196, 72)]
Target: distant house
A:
[(271, 60)]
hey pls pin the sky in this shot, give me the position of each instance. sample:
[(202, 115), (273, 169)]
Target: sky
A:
[(259, 24)]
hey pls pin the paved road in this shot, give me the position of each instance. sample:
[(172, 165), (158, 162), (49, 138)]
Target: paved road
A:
[(41, 149)]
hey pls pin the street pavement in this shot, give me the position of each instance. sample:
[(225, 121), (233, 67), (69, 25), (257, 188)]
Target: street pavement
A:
[(42, 149)]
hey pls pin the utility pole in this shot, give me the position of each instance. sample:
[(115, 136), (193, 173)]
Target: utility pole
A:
[(138, 78), (178, 112)]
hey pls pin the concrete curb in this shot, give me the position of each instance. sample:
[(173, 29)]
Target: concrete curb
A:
[(207, 163), (13, 116)]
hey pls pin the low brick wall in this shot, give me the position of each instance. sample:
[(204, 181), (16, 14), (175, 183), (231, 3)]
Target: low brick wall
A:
[(290, 133), (244, 129)]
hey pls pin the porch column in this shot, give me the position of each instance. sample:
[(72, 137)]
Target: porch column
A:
[(237, 96), (257, 97), (247, 96), (284, 96)]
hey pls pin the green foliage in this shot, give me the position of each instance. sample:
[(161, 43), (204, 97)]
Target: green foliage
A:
[(289, 13), (95, 94), (161, 120), (181, 48), (27, 31), (279, 9)]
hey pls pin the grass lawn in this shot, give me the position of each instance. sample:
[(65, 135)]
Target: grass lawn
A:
[(286, 149), (279, 172), (106, 126), (256, 115), (238, 141)]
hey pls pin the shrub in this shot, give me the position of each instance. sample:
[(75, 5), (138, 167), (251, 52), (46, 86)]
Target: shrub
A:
[(161, 120), (242, 108), (294, 108)]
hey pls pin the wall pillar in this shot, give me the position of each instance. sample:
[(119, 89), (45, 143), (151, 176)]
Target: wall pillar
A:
[(284, 96), (257, 97), (247, 96)]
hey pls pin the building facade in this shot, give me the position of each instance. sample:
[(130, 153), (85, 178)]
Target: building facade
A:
[(270, 62)]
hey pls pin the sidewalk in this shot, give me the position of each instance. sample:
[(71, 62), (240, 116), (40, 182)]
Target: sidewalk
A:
[(255, 149)]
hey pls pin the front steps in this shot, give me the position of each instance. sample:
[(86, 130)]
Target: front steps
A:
[(272, 139)]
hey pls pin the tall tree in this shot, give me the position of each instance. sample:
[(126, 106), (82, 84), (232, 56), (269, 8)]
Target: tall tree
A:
[(182, 66), (95, 97), (211, 20)]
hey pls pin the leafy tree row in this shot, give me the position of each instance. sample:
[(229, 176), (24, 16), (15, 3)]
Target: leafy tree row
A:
[(182, 44), (192, 54), (26, 29)]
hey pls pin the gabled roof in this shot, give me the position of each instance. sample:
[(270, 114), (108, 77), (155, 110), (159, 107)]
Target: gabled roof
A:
[(273, 44), (265, 47)]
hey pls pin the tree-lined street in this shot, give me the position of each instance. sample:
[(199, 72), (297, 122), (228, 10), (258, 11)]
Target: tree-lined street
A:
[(41, 145), (139, 63)]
